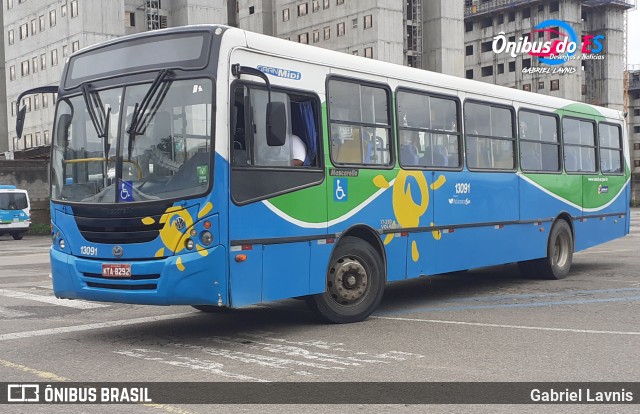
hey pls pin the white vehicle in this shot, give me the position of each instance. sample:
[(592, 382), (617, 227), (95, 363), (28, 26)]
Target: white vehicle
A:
[(15, 211)]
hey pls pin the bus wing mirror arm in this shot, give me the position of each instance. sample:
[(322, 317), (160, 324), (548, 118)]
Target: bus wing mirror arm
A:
[(23, 111)]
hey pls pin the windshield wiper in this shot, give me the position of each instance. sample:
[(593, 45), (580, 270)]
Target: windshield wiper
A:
[(100, 120), (158, 90)]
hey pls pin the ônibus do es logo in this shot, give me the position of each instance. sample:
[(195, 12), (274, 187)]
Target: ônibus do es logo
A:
[(553, 42)]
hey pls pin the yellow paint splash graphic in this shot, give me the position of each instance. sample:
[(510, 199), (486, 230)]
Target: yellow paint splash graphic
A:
[(205, 210), (380, 182), (388, 238), (160, 252), (415, 254), (439, 182), (179, 264), (203, 252), (437, 234), (147, 221)]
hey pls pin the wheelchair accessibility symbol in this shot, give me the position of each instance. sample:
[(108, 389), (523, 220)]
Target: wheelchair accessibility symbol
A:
[(340, 188), (125, 191)]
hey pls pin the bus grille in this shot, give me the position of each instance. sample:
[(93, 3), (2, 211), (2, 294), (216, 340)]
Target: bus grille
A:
[(108, 226), (117, 286)]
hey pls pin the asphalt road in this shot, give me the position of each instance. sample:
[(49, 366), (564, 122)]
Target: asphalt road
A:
[(484, 325)]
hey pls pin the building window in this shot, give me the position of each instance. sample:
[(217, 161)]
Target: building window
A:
[(315, 5), (252, 9), (526, 13), (45, 134), (340, 29), (54, 57), (24, 31), (13, 112), (354, 52), (469, 74), (10, 36), (45, 100), (38, 139), (63, 10), (74, 8), (636, 112), (129, 19), (303, 38), (487, 22), (468, 26), (500, 68), (9, 4), (554, 6), (487, 70), (636, 147), (555, 84), (52, 18), (469, 50), (285, 15), (34, 64), (584, 89), (368, 21), (12, 72), (36, 102), (500, 19), (354, 23), (526, 87), (43, 61), (486, 46), (34, 26), (368, 52), (512, 16), (555, 33), (339, 2), (24, 68), (303, 9), (636, 163), (65, 50), (316, 36), (27, 103), (327, 33), (636, 129), (540, 86), (541, 8), (512, 66), (41, 23), (75, 46), (325, 4), (526, 63)]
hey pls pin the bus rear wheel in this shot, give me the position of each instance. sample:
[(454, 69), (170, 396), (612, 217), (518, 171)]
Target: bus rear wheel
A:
[(18, 236), (355, 283), (559, 255)]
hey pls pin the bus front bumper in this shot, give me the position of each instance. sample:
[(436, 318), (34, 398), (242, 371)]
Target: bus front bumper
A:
[(196, 279)]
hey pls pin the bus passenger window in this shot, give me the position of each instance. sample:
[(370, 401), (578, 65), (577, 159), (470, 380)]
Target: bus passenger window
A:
[(579, 145), (539, 143), (490, 145)]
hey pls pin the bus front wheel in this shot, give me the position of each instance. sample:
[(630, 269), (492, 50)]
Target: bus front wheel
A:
[(559, 255), (355, 283)]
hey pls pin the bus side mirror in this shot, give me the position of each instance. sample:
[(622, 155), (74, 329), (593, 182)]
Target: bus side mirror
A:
[(20, 120), (276, 124)]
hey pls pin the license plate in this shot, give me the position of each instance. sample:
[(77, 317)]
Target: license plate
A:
[(15, 219), (116, 270)]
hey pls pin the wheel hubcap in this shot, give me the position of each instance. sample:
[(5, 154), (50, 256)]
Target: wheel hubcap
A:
[(561, 250), (348, 282)]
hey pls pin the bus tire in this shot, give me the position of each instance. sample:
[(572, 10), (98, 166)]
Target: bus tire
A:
[(18, 236), (355, 283), (559, 255), (210, 308)]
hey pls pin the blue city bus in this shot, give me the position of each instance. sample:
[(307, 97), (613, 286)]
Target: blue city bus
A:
[(15, 211), (177, 176)]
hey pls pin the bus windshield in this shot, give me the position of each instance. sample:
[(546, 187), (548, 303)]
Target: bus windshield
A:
[(168, 155)]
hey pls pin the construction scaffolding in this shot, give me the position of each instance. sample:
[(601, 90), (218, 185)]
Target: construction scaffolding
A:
[(413, 37), (475, 8)]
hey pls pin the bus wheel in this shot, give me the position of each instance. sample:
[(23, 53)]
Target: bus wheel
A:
[(17, 236), (355, 283), (210, 308), (559, 255)]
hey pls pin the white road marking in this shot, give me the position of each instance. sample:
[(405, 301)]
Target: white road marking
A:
[(92, 326), (10, 313), (51, 299), (185, 362), (492, 325)]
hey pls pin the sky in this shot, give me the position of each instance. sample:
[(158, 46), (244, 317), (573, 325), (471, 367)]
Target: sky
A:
[(633, 38)]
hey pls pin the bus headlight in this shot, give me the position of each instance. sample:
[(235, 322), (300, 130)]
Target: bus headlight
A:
[(206, 238), (62, 244), (193, 232), (189, 244)]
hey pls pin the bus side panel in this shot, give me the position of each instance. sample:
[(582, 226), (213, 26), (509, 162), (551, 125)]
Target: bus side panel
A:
[(318, 263), (592, 231), (396, 252), (245, 277), (285, 269), (473, 203)]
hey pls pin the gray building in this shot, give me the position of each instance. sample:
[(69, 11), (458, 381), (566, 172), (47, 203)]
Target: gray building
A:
[(40, 34), (633, 116)]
